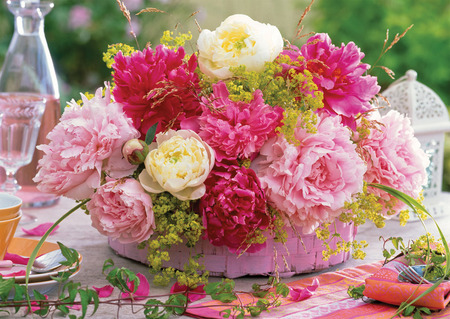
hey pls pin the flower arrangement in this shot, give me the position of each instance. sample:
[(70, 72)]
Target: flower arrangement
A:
[(233, 144)]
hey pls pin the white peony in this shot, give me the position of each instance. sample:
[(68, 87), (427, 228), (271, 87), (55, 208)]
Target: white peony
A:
[(239, 40), (178, 162)]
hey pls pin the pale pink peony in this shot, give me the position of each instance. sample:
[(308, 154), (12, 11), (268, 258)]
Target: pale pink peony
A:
[(86, 141), (233, 207), (310, 183), (394, 158), (157, 86), (339, 74), (237, 129), (122, 210)]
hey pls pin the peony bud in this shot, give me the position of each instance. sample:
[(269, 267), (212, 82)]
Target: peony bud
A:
[(135, 151)]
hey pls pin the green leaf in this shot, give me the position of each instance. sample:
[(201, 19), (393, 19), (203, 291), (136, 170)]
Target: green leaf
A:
[(178, 300), (93, 295), (109, 263), (356, 292), (417, 315), (426, 310), (84, 300), (254, 311), (282, 289), (70, 254), (226, 313), (151, 134), (260, 294), (409, 310), (5, 287)]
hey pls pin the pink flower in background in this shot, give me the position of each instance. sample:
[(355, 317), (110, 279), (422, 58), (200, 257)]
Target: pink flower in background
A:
[(79, 16), (237, 129), (233, 207), (86, 141), (122, 210), (338, 74), (394, 158), (134, 5), (311, 183), (157, 86)]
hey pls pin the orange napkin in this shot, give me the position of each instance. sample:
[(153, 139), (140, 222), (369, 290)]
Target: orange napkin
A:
[(384, 286)]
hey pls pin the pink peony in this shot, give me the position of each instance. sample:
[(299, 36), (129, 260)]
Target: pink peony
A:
[(311, 183), (86, 141), (394, 158), (339, 75), (233, 207), (156, 86), (237, 129), (122, 210)]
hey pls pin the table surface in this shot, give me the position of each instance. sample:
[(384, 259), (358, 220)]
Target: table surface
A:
[(76, 232)]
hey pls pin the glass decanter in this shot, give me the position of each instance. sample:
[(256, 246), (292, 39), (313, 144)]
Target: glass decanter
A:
[(28, 67)]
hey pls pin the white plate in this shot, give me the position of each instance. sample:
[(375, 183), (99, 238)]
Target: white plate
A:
[(24, 247)]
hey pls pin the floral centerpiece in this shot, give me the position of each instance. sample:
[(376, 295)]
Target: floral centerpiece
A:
[(234, 144)]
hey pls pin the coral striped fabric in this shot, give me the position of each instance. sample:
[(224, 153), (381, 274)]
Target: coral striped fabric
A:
[(330, 300)]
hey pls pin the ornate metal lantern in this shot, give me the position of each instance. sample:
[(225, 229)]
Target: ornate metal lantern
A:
[(430, 121)]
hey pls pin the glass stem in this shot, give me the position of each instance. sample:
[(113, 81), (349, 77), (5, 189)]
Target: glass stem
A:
[(10, 185)]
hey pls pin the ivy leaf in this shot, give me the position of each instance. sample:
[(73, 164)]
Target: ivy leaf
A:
[(178, 300), (151, 134), (222, 291), (70, 254), (409, 310), (226, 313), (152, 309), (5, 287), (107, 265), (282, 289)]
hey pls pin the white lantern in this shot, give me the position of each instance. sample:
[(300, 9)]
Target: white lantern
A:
[(430, 121)]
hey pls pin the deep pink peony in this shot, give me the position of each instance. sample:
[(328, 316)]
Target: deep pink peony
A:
[(233, 207), (310, 183), (122, 210), (237, 129), (394, 158), (86, 141), (157, 86), (339, 75)]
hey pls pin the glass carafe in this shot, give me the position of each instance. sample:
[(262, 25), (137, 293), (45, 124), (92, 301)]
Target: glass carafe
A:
[(28, 67)]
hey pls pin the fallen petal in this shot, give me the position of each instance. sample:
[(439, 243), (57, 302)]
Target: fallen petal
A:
[(105, 291), (39, 230)]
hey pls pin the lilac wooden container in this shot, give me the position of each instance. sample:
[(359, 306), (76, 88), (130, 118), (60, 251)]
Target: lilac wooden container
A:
[(220, 262)]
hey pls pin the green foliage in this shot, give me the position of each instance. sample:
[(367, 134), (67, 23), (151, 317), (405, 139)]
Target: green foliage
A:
[(425, 48), (356, 292)]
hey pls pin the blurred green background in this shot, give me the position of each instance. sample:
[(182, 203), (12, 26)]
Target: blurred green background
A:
[(78, 32)]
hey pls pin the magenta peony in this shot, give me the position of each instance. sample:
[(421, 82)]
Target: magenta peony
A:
[(339, 75), (237, 129), (233, 208), (394, 158), (311, 183), (157, 86), (86, 141), (122, 210)]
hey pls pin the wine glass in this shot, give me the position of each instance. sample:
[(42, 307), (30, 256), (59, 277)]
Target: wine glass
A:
[(20, 119)]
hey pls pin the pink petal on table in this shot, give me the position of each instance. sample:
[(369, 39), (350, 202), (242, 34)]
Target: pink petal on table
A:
[(35, 305), (15, 274), (299, 294), (40, 229), (16, 259), (74, 307), (143, 289), (105, 291), (192, 294)]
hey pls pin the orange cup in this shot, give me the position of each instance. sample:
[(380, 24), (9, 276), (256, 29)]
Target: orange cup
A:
[(9, 206), (7, 230)]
